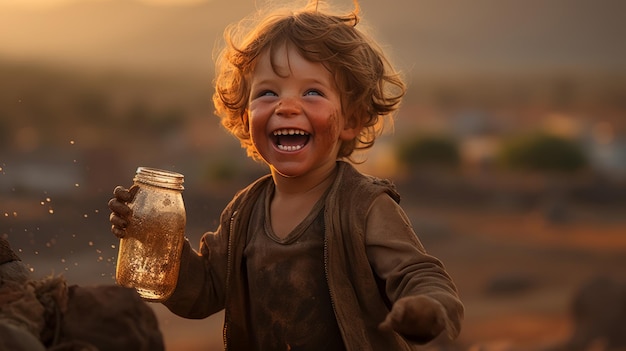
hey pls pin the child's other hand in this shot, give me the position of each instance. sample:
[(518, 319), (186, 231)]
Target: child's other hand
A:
[(120, 212), (417, 318)]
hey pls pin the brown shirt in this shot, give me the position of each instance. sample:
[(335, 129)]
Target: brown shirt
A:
[(290, 306), (371, 252)]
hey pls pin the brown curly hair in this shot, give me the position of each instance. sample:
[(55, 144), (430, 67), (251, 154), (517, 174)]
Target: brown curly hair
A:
[(369, 86)]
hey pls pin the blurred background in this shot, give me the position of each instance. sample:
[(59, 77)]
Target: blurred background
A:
[(509, 150)]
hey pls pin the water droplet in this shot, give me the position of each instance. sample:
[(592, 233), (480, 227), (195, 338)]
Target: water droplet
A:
[(85, 215), (51, 211), (91, 243), (72, 142), (76, 185)]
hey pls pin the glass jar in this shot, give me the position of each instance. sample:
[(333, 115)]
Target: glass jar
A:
[(150, 252)]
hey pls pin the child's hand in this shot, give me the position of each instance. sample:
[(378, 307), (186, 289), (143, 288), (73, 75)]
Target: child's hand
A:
[(417, 318), (120, 214)]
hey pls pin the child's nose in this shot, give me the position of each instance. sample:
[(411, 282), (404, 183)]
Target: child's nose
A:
[(287, 107)]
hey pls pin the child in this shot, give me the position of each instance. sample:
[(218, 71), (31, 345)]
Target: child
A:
[(315, 255)]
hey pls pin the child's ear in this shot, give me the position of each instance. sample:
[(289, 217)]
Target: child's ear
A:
[(351, 129)]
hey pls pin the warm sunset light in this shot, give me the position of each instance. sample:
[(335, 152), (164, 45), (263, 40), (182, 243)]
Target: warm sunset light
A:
[(42, 4), (508, 152)]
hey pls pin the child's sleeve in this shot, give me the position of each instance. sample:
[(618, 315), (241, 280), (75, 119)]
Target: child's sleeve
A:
[(400, 260), (200, 288)]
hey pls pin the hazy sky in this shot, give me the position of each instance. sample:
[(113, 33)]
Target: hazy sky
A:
[(52, 3)]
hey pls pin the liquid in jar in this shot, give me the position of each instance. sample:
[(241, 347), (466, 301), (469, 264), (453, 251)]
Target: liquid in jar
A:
[(150, 252)]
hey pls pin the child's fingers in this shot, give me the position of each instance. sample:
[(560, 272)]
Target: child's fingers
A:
[(386, 324), (393, 319), (119, 208), (119, 233), (118, 221), (124, 194)]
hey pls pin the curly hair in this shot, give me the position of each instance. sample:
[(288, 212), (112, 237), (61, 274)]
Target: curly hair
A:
[(370, 88)]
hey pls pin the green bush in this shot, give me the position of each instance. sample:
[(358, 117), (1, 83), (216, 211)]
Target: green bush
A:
[(429, 150), (542, 152)]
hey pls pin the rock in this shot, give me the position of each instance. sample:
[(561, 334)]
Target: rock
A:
[(6, 254), (599, 316), (11, 267), (111, 318), (47, 314), (20, 307), (14, 271), (15, 338)]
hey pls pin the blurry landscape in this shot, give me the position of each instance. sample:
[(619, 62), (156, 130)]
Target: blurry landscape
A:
[(509, 150)]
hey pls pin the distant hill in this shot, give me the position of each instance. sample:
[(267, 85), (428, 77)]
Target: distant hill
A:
[(439, 37)]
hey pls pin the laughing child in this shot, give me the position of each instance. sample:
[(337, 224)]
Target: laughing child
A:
[(315, 255)]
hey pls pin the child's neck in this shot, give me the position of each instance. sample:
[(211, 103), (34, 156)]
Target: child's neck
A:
[(315, 181), (295, 197)]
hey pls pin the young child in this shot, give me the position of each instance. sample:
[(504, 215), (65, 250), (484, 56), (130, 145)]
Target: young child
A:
[(315, 255)]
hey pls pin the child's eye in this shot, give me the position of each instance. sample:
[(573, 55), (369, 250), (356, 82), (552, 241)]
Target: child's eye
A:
[(313, 92), (266, 93)]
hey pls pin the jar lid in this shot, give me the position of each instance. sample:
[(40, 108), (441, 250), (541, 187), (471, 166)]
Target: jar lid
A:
[(160, 178)]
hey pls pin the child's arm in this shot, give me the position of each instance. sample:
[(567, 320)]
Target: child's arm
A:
[(425, 300), (200, 289)]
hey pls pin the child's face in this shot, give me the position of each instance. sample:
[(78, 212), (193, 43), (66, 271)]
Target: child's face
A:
[(295, 116)]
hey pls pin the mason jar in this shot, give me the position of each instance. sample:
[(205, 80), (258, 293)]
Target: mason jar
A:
[(150, 252)]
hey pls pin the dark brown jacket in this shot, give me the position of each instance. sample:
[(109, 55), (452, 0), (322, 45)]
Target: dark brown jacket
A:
[(363, 281)]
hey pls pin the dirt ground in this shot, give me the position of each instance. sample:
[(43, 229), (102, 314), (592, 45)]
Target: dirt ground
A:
[(518, 273)]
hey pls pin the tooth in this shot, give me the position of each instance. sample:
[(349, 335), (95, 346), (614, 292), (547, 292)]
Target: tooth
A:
[(290, 148), (289, 132)]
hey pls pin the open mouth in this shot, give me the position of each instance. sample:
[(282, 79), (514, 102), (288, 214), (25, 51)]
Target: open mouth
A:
[(290, 139)]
